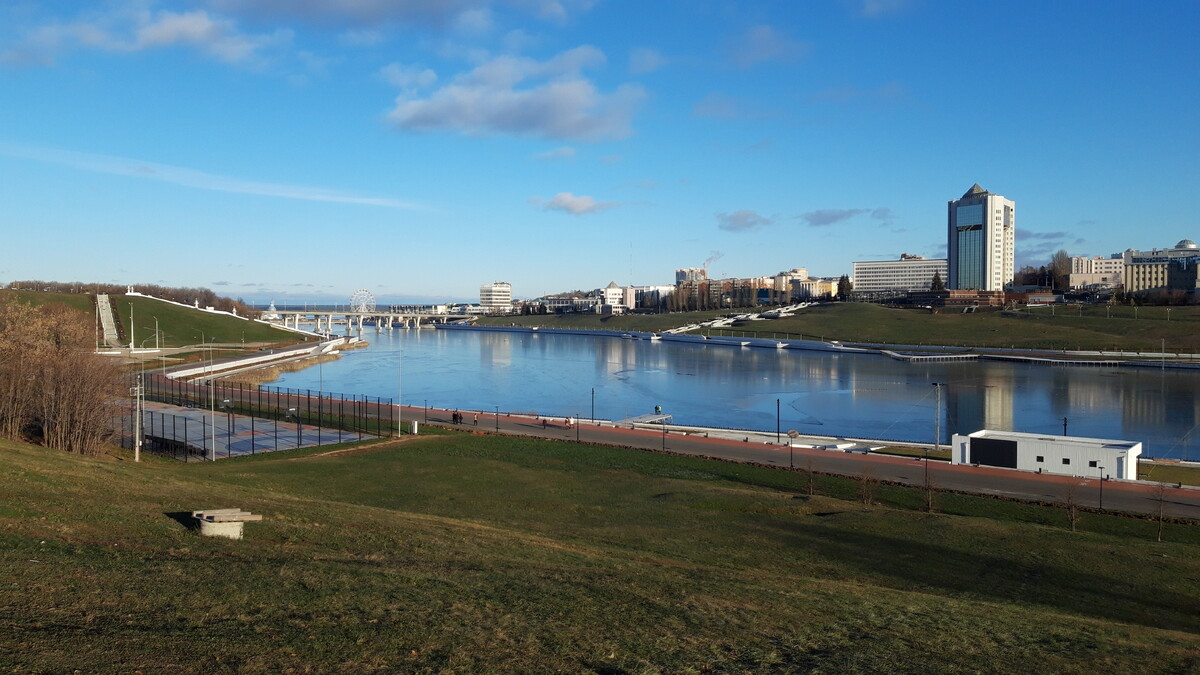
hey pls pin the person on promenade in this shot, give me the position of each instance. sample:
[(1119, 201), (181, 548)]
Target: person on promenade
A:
[(476, 419)]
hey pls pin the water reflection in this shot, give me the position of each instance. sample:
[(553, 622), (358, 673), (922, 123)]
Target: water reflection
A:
[(828, 394)]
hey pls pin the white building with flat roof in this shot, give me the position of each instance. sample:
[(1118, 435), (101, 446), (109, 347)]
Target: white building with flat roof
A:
[(981, 241), (496, 296), (1044, 453), (909, 273)]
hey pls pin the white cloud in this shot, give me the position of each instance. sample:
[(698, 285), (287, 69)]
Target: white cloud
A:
[(576, 205), (407, 77), (125, 166), (524, 97), (763, 43), (645, 60), (741, 221)]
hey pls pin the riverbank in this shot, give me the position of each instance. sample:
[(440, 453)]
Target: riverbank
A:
[(1115, 328), (902, 352)]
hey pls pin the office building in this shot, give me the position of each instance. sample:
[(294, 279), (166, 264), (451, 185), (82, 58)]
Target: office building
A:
[(1162, 269), (981, 241), (496, 296), (909, 273)]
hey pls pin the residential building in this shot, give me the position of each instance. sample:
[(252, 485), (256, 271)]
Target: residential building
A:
[(496, 297), (691, 274), (909, 273), (981, 239), (1097, 272)]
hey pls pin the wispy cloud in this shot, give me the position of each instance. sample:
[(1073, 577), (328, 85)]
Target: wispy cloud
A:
[(743, 220), (886, 93), (564, 152), (762, 44), (644, 60), (876, 8), (136, 31), (135, 168), (574, 204), (825, 217)]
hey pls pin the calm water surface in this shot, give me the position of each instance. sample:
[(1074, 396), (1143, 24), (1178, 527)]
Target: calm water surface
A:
[(719, 386)]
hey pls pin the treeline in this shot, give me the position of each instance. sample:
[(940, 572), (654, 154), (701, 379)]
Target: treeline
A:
[(203, 296), (54, 390)]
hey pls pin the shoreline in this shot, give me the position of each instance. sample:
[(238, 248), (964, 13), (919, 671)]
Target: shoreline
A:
[(901, 352)]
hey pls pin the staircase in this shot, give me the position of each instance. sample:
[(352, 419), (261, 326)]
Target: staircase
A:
[(107, 322)]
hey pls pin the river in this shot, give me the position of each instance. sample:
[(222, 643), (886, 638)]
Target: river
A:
[(829, 394)]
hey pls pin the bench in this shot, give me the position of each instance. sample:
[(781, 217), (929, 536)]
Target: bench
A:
[(224, 522)]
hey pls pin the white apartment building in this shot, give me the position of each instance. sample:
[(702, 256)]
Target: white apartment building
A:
[(1096, 272), (496, 296), (909, 273), (981, 241)]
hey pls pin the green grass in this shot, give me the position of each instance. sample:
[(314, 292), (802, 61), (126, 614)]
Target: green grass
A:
[(1068, 328), (179, 326), (1027, 329), (470, 553), (80, 301)]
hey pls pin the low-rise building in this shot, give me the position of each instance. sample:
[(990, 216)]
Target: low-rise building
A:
[(1044, 453)]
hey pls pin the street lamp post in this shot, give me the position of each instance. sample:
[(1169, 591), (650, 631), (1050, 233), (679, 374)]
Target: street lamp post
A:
[(593, 405), (131, 328), (1064, 426), (1101, 488), (937, 435), (497, 419), (776, 421)]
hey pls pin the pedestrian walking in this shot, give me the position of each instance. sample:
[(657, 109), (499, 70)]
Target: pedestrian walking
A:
[(476, 419)]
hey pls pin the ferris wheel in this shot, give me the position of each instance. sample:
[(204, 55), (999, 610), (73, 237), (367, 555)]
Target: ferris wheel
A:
[(362, 301)]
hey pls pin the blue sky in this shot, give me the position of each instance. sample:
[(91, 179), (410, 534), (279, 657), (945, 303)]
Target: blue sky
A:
[(298, 150)]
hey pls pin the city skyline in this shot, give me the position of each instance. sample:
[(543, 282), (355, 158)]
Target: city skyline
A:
[(292, 151)]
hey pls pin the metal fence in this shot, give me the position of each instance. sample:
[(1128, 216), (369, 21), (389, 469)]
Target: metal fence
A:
[(301, 410)]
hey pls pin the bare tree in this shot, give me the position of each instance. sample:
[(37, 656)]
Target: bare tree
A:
[(53, 389), (866, 487), (1160, 495), (1072, 504)]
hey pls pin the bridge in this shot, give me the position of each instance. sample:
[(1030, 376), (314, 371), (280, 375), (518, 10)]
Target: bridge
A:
[(325, 319)]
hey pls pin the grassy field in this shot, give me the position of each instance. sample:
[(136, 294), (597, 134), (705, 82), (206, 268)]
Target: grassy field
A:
[(1083, 328), (467, 553)]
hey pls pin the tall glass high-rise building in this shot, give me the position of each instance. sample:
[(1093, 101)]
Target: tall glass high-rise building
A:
[(981, 241)]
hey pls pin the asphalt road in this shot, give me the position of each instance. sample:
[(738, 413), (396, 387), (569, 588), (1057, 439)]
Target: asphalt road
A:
[(1127, 496)]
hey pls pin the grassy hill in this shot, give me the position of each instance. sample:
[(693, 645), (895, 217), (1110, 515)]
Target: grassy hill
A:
[(1086, 328), (180, 326), (471, 553)]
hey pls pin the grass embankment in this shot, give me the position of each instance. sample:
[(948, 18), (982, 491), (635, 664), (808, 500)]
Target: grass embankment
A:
[(472, 553), (1098, 328), (178, 326)]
